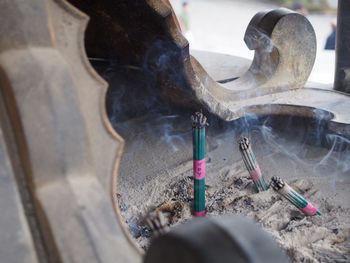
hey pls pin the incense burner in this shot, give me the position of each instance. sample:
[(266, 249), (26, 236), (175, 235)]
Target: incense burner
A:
[(65, 176)]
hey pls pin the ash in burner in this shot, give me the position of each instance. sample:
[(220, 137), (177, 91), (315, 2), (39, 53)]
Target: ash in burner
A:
[(161, 180)]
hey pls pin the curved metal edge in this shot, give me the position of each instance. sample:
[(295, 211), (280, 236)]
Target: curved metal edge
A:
[(326, 113), (82, 20), (59, 151), (273, 70), (164, 9), (308, 102), (215, 240)]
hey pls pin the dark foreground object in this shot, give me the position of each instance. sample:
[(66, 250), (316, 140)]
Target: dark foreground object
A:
[(215, 240), (342, 71)]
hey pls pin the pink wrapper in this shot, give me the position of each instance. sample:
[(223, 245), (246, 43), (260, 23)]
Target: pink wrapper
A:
[(199, 214), (255, 174), (199, 169), (309, 210)]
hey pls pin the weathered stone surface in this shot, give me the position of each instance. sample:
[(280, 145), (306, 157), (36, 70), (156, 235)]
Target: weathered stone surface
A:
[(55, 103), (306, 102), (285, 49), (16, 241)]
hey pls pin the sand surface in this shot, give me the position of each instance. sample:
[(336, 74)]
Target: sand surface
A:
[(156, 174)]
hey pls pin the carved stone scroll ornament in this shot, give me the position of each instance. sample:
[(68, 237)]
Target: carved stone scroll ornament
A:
[(285, 49)]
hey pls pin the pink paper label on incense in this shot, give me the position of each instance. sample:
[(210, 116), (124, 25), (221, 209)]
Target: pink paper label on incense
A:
[(199, 214), (309, 210), (199, 169), (255, 174)]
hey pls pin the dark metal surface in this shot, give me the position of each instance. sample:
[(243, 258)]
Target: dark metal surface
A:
[(141, 34), (215, 240), (144, 35), (342, 71)]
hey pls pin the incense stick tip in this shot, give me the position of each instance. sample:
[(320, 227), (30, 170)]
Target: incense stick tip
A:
[(244, 143), (199, 120), (277, 183)]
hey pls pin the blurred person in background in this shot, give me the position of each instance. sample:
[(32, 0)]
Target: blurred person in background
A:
[(184, 20), (330, 42), (299, 8)]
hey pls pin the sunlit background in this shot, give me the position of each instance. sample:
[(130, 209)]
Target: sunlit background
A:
[(219, 26)]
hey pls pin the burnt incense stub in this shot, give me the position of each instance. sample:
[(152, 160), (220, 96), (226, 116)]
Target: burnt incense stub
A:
[(244, 144), (199, 120), (157, 222), (277, 183)]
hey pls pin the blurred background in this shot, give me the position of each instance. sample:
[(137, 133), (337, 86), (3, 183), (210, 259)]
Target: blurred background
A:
[(219, 26)]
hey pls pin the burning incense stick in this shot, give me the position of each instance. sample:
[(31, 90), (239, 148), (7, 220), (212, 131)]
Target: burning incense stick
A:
[(251, 164), (294, 197), (199, 121)]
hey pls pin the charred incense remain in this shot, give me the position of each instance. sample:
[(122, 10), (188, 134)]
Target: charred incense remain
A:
[(157, 222), (294, 197), (199, 121), (251, 164)]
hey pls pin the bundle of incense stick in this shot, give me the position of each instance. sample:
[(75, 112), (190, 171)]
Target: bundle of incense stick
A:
[(294, 197), (199, 121), (252, 165)]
